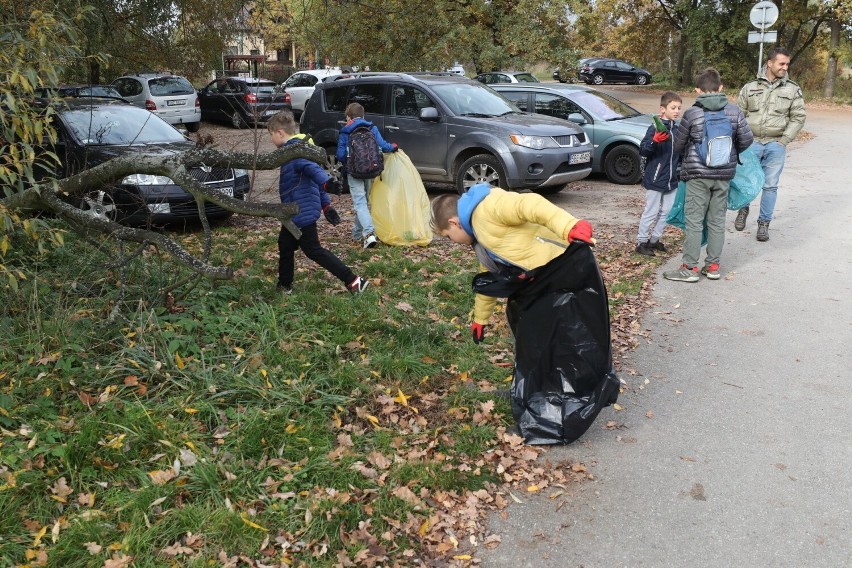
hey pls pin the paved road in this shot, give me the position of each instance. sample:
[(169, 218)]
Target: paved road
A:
[(746, 460)]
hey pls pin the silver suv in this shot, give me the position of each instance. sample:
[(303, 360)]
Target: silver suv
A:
[(171, 97), (455, 130)]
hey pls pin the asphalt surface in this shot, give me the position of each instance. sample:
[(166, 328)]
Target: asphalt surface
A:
[(745, 457)]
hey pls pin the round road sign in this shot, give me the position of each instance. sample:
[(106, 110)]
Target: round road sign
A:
[(763, 15)]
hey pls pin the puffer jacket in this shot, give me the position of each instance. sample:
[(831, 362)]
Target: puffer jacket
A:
[(775, 110), (691, 129), (663, 162), (523, 230), (343, 139), (301, 182)]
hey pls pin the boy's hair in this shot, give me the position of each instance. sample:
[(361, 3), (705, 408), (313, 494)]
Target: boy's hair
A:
[(708, 81), (669, 97), (282, 120), (355, 110), (777, 51), (444, 207)]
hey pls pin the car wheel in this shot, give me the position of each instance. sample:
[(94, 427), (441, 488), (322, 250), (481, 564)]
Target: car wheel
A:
[(99, 204), (482, 168), (621, 164), (192, 126), (597, 79), (237, 120), (641, 80)]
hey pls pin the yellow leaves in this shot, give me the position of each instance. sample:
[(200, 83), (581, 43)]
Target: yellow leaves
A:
[(424, 528), (161, 477), (532, 488), (292, 428), (39, 535), (179, 361), (617, 406), (401, 398), (335, 417), (190, 410), (373, 420), (253, 525)]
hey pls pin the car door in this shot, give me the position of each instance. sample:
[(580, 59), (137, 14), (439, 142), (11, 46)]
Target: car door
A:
[(520, 99), (610, 72), (425, 142), (624, 72), (371, 96), (301, 87)]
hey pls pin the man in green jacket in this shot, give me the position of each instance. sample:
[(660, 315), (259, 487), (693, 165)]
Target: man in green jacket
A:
[(775, 110)]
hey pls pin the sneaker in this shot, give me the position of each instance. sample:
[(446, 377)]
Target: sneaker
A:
[(739, 223), (763, 231), (282, 289), (657, 245), (358, 285), (711, 271), (645, 248), (370, 241), (683, 274)]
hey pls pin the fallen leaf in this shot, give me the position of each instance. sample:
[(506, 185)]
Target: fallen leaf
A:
[(650, 414), (253, 525), (179, 361), (617, 406), (93, 547)]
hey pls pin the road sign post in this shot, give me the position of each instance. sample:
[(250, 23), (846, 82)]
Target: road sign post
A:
[(762, 16)]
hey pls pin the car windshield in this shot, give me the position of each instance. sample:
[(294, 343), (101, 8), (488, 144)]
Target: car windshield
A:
[(119, 125), (98, 91), (604, 106), (526, 78), (165, 86), (473, 99)]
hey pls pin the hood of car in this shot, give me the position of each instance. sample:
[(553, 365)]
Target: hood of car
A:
[(534, 124), (96, 155), (640, 122)]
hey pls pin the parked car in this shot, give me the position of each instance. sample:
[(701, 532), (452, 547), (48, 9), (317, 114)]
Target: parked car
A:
[(600, 71), (457, 68), (300, 85), (455, 130), (171, 97), (92, 130), (615, 128), (569, 77), (242, 101), (78, 91), (498, 77)]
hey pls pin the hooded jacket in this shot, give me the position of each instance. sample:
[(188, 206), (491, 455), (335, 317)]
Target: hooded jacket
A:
[(691, 129), (775, 110), (343, 139), (301, 182), (517, 229), (663, 162)]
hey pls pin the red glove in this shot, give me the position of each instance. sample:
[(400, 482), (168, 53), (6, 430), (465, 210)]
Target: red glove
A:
[(478, 332), (581, 231), (660, 137)]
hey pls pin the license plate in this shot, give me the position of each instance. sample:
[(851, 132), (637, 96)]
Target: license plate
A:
[(269, 112), (229, 191), (176, 102), (580, 157)]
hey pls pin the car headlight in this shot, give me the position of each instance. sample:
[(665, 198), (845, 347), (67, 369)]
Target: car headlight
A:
[(240, 173), (534, 142), (147, 179)]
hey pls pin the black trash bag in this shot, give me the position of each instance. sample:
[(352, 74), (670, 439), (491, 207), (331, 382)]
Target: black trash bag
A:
[(559, 316)]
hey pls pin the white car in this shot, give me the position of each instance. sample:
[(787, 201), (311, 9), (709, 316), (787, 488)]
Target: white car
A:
[(300, 85), (171, 97)]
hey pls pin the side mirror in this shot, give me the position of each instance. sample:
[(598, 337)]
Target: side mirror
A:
[(429, 114), (577, 118)]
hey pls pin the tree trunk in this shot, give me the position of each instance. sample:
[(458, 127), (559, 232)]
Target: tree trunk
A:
[(831, 72), (688, 77), (681, 57)]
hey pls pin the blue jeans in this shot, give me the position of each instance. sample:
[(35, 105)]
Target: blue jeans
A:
[(771, 156), (359, 189)]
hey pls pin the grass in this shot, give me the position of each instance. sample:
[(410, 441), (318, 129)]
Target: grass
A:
[(284, 428)]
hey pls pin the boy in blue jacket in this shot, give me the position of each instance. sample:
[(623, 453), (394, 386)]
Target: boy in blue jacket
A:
[(660, 179), (359, 189), (305, 183)]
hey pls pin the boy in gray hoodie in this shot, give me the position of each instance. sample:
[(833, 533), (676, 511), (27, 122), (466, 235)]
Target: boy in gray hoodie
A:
[(706, 186)]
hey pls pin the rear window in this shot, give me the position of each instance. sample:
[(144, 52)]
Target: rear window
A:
[(370, 96), (526, 78), (165, 86), (335, 99), (267, 87)]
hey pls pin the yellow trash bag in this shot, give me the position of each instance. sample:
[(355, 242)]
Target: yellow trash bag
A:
[(399, 204)]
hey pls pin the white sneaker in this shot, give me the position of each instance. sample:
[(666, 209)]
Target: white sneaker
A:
[(370, 241)]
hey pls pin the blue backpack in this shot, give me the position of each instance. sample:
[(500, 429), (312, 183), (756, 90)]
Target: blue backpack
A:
[(717, 143)]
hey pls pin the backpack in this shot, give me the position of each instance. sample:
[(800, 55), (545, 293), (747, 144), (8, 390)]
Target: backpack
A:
[(365, 159), (717, 141)]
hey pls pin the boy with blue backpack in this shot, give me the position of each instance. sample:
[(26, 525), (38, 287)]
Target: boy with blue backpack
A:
[(710, 137), (360, 148)]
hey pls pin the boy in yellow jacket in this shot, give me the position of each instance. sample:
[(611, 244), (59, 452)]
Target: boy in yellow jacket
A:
[(509, 232)]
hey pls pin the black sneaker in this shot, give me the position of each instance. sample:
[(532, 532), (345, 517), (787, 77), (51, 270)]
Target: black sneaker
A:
[(657, 245), (739, 223), (358, 285), (282, 289), (645, 248)]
